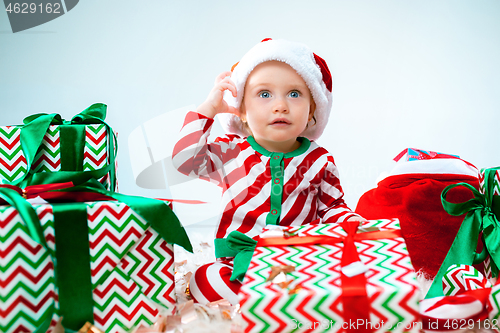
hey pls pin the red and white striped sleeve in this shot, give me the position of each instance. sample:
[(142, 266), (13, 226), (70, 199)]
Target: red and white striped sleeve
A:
[(331, 205), (195, 157)]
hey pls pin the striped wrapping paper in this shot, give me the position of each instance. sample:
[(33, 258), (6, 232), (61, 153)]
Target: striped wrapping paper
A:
[(311, 302), (132, 270), (48, 158), (494, 300), (496, 191)]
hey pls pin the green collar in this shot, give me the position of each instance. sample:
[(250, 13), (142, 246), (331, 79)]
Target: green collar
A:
[(304, 146)]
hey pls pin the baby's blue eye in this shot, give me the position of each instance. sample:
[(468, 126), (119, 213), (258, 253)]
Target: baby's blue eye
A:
[(294, 94), (265, 94)]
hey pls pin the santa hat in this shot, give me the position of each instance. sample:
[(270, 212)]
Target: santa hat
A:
[(309, 66)]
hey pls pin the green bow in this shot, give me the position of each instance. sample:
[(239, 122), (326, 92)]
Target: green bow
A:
[(482, 215), (33, 131), (244, 247), (156, 212)]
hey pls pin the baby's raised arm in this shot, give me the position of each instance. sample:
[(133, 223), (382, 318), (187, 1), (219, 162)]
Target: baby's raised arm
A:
[(215, 102)]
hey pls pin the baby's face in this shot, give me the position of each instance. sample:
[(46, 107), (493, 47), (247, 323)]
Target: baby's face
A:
[(277, 105)]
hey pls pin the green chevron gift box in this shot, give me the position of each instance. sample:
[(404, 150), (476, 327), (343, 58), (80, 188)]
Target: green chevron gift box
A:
[(491, 271), (330, 277), (110, 263), (48, 149), (481, 223)]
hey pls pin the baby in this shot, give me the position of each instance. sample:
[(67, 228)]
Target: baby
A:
[(275, 103)]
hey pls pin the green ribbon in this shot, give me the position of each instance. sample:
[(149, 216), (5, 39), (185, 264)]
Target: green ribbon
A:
[(243, 246), (72, 141), (30, 218), (221, 249), (73, 264), (155, 212), (27, 213), (482, 215)]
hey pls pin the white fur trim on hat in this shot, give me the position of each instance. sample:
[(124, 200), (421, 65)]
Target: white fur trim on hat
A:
[(299, 57)]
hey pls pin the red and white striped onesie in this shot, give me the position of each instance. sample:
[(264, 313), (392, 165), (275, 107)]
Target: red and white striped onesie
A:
[(260, 187)]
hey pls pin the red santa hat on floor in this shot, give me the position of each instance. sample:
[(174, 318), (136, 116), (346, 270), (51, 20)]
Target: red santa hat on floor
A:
[(309, 66)]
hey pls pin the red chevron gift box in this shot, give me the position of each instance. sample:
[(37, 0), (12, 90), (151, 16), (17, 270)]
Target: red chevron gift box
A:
[(109, 263), (48, 149), (464, 306), (331, 277)]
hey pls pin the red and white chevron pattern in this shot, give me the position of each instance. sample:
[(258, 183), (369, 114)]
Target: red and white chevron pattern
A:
[(495, 185), (12, 161), (113, 229), (120, 305), (149, 263), (391, 285), (48, 157), (132, 270), (27, 277), (496, 191), (460, 278), (95, 151)]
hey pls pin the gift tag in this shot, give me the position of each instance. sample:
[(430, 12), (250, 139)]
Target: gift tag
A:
[(354, 269)]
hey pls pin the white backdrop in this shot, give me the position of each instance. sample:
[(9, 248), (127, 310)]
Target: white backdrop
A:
[(422, 74)]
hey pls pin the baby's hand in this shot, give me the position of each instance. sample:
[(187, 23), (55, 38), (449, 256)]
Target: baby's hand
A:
[(359, 219), (215, 102)]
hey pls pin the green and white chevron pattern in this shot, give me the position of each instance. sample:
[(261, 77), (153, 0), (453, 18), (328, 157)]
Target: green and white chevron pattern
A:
[(132, 270), (392, 288)]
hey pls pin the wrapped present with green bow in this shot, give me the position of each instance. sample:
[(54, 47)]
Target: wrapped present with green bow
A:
[(48, 149), (329, 277), (480, 224), (101, 257)]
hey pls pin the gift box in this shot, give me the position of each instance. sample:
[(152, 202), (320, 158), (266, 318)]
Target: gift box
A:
[(100, 262), (48, 149), (480, 224), (464, 306), (489, 184), (321, 277)]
